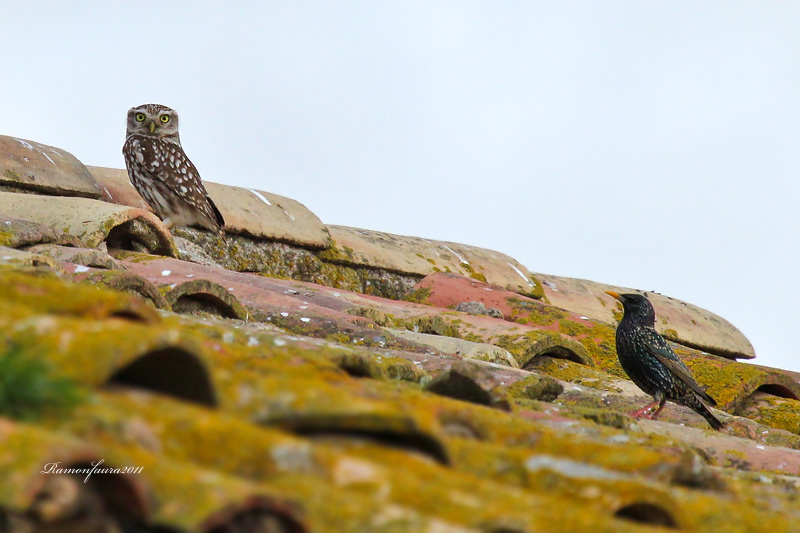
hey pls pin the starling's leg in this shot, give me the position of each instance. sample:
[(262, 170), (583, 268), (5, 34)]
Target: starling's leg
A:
[(641, 412), (660, 407)]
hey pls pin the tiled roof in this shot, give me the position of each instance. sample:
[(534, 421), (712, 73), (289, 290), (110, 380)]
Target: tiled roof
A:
[(297, 376)]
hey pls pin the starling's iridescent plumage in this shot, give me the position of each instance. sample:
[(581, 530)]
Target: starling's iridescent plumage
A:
[(652, 365)]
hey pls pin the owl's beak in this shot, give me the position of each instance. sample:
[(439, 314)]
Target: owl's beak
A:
[(152, 126)]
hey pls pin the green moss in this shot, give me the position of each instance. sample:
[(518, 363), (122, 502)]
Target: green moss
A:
[(338, 337), (617, 312), (29, 388), (6, 238), (537, 293), (336, 254), (382, 319), (671, 334), (600, 342), (134, 257), (12, 175), (532, 314), (419, 296), (433, 324), (472, 337), (47, 293), (605, 417), (541, 388), (576, 373), (199, 460), (781, 413), (478, 276), (572, 328), (724, 380)]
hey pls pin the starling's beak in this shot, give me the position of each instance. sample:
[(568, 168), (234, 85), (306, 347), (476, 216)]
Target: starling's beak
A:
[(615, 295), (152, 126)]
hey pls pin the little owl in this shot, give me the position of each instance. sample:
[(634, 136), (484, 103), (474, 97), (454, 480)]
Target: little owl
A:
[(161, 172)]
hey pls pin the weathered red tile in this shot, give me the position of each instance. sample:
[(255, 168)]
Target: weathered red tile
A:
[(31, 166), (116, 187), (301, 307)]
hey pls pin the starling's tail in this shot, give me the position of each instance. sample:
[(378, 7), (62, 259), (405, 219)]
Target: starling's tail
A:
[(704, 411)]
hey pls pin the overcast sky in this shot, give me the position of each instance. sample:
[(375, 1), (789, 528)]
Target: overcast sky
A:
[(653, 145)]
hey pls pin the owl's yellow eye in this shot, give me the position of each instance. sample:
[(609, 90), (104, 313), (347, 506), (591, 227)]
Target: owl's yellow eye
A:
[(164, 118), (140, 117)]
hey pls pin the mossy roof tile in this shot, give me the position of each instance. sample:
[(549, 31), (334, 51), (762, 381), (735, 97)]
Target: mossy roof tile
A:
[(313, 415), (92, 222), (415, 255), (282, 386), (12, 257), (17, 232)]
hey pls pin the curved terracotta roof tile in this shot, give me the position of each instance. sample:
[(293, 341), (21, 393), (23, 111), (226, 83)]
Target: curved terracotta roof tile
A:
[(12, 257), (27, 451), (373, 365), (730, 383), (264, 215), (421, 257), (43, 295), (386, 431), (116, 188), (169, 371), (92, 221), (303, 308), (471, 383), (18, 232), (123, 282), (325, 420), (463, 348), (29, 165), (676, 320), (259, 214), (257, 514), (204, 296), (87, 257)]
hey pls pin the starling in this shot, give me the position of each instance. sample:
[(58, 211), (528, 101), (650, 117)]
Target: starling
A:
[(652, 365)]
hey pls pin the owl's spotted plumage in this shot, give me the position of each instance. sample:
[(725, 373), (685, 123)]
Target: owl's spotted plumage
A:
[(162, 174)]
